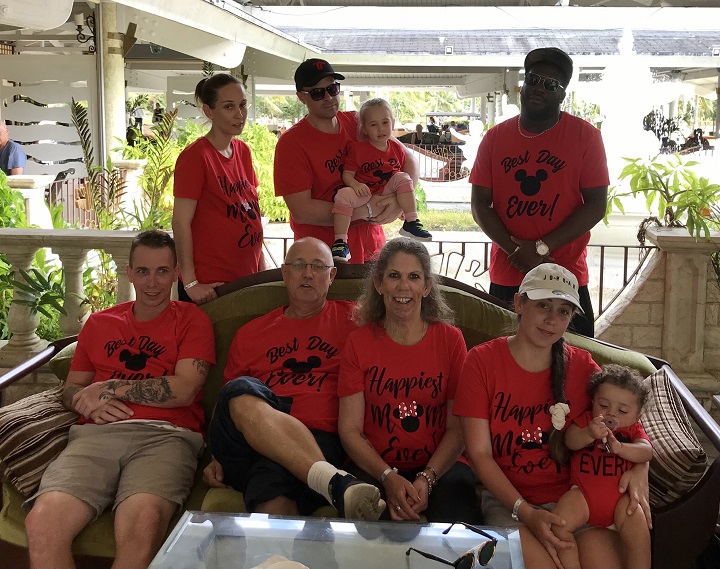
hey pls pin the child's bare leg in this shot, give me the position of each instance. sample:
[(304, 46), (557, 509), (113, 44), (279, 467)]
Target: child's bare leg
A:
[(573, 508), (634, 535)]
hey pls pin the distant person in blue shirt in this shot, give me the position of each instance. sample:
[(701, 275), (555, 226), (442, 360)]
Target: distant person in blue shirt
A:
[(12, 156)]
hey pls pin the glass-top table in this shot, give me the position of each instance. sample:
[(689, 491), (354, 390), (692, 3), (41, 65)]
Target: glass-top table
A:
[(246, 541)]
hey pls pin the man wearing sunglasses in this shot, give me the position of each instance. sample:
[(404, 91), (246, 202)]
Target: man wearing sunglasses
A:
[(539, 184), (308, 162)]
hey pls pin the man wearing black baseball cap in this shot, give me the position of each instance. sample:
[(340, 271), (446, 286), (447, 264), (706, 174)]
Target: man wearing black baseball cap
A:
[(539, 184), (308, 166)]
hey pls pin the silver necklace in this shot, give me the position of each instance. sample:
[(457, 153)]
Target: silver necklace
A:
[(539, 133)]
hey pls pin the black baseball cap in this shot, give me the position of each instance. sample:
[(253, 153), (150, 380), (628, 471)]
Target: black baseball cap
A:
[(553, 56), (311, 71)]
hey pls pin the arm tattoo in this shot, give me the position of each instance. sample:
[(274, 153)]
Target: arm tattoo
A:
[(144, 391), (202, 367), (67, 396)]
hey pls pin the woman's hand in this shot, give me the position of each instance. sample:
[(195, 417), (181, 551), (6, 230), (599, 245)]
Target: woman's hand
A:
[(422, 488), (538, 522), (213, 475), (635, 483), (401, 498), (202, 293)]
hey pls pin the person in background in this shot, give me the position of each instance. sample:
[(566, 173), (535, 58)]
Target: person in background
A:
[(417, 136), (541, 207), (157, 113), (373, 165), (398, 377), (308, 160), (137, 115), (445, 136), (216, 215), (431, 126), (12, 156), (512, 394), (274, 431), (135, 380)]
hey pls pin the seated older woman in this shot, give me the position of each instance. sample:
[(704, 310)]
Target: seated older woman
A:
[(398, 376)]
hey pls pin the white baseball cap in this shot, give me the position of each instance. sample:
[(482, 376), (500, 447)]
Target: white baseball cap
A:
[(551, 281)]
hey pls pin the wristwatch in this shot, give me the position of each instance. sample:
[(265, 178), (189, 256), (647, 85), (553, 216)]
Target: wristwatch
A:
[(541, 249)]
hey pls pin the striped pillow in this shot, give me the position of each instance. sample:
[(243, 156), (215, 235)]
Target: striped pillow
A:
[(33, 432), (679, 459)]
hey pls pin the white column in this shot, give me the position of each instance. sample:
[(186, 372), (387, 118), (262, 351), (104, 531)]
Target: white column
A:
[(72, 263), (113, 77), (21, 321), (121, 256)]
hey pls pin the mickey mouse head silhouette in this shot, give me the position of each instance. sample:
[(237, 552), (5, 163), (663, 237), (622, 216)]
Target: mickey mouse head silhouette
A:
[(383, 176), (408, 414), (134, 362), (302, 367), (530, 185), (531, 439)]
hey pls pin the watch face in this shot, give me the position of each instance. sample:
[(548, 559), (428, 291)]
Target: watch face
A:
[(541, 248)]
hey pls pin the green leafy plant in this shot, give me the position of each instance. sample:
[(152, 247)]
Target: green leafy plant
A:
[(262, 145), (673, 193), (12, 205), (43, 291)]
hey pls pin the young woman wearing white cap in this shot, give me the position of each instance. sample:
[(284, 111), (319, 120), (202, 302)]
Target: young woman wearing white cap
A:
[(512, 391)]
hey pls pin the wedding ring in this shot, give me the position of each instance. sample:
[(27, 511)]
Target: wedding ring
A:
[(397, 507)]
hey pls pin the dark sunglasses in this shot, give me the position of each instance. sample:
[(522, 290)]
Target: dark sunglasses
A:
[(480, 554), (318, 94), (549, 83)]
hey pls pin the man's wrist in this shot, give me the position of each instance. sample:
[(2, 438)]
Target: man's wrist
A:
[(369, 211)]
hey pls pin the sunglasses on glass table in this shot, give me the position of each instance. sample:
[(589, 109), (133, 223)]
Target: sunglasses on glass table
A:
[(318, 94), (478, 555), (549, 84)]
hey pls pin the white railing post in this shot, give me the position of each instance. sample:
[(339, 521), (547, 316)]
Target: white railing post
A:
[(121, 256), (72, 264), (22, 321)]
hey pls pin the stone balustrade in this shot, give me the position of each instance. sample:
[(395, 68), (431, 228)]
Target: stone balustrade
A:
[(72, 247)]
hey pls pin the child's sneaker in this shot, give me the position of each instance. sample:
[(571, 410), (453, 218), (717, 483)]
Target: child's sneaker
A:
[(341, 251), (414, 229)]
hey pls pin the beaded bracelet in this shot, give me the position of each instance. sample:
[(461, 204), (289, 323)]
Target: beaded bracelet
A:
[(435, 474), (426, 477), (190, 284)]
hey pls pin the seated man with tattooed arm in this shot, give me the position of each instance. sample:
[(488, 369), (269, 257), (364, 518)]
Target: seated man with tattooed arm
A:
[(136, 380)]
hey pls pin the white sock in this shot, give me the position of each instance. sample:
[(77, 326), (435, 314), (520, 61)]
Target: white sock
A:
[(319, 478)]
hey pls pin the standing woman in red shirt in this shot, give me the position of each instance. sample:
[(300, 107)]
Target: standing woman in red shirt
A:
[(216, 217)]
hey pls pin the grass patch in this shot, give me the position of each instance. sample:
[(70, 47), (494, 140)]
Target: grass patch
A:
[(440, 220)]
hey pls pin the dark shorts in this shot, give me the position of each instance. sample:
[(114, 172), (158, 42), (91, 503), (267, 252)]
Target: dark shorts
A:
[(257, 477), (581, 324)]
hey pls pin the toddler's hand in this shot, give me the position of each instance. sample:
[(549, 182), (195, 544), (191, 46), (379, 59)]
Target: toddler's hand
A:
[(362, 190)]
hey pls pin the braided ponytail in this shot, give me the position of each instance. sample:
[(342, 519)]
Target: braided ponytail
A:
[(556, 441)]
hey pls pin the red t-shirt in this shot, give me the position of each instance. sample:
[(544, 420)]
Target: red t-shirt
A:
[(515, 402), (536, 185), (307, 159), (116, 346), (406, 389), (296, 358), (227, 233), (597, 473), (374, 167)]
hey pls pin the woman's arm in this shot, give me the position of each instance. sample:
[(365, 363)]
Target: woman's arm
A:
[(399, 492)]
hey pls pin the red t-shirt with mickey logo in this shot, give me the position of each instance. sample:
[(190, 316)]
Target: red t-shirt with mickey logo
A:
[(296, 358), (406, 389), (372, 166)]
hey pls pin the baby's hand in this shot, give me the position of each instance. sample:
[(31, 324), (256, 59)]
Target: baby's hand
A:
[(362, 190), (597, 428)]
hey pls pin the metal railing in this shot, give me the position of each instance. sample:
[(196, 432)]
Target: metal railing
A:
[(73, 195), (439, 162), (612, 267)]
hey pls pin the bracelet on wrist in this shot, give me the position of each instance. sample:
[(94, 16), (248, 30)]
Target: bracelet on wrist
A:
[(434, 473), (191, 284), (370, 211), (516, 509), (426, 476), (385, 473)]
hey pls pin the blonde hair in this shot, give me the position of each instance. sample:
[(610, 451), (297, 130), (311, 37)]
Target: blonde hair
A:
[(366, 106)]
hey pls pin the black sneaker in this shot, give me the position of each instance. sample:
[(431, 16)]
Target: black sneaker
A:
[(355, 500), (340, 251), (414, 230)]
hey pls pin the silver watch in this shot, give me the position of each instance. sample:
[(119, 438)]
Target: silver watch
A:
[(541, 249)]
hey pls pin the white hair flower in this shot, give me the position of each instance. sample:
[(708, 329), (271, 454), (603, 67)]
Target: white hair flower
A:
[(559, 411)]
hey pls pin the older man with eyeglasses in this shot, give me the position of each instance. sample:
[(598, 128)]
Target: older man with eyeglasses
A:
[(539, 184), (274, 431), (308, 166)]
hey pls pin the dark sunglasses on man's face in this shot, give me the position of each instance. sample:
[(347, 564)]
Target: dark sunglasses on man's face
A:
[(318, 94), (480, 554), (549, 83)]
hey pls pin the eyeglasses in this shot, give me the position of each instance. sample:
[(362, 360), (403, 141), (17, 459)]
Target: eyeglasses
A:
[(480, 554), (549, 83), (299, 266), (318, 94)]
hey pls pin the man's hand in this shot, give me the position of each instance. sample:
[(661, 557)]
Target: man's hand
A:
[(385, 208), (113, 410), (90, 398), (525, 257), (213, 475)]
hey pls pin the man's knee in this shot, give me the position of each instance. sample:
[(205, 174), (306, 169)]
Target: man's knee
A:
[(246, 410), (57, 516)]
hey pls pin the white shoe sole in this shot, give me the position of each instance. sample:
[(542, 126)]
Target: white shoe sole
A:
[(411, 236)]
